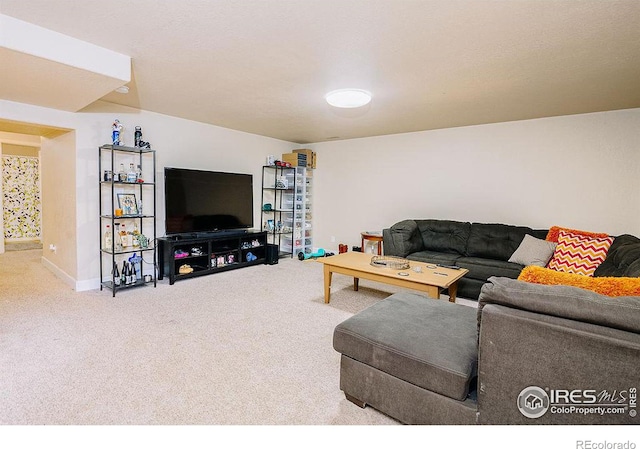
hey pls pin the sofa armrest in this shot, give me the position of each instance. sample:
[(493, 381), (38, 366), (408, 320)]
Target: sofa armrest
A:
[(520, 349), (402, 239)]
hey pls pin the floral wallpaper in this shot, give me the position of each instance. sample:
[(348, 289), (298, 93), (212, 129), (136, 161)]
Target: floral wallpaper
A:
[(21, 197)]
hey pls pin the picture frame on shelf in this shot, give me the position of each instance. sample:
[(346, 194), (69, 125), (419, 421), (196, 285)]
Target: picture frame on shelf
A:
[(127, 202)]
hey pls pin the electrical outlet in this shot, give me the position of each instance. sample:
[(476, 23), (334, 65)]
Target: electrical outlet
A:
[(52, 248), (333, 239)]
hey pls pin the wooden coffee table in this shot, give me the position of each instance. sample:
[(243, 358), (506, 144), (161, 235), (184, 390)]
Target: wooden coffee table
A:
[(430, 281)]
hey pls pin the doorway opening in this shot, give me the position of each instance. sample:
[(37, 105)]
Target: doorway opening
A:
[(22, 166), (21, 197)]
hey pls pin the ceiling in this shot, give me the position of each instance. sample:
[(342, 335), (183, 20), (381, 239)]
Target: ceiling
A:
[(264, 66)]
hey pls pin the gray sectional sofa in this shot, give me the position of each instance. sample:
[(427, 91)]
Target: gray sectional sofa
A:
[(482, 248), (530, 354)]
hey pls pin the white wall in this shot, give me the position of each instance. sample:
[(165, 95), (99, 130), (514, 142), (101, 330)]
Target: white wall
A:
[(59, 206), (178, 143), (580, 171)]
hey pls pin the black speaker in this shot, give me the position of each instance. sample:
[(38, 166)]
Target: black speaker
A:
[(272, 253)]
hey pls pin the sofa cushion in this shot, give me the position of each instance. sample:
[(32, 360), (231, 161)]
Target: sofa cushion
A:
[(623, 258), (495, 241), (579, 254), (533, 251), (429, 343), (609, 286), (444, 236), (483, 269), (434, 257), (563, 301)]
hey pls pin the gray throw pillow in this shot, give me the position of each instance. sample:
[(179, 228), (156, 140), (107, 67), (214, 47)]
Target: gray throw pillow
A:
[(533, 251)]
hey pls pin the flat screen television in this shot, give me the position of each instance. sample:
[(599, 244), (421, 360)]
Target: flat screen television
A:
[(199, 201)]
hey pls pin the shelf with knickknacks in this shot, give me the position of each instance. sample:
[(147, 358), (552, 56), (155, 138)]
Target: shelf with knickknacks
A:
[(287, 205), (120, 203)]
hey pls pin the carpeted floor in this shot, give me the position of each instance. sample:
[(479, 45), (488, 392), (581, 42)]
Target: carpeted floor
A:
[(22, 245), (249, 346)]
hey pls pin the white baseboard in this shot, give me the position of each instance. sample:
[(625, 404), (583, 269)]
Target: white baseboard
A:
[(79, 286), (89, 284), (60, 274)]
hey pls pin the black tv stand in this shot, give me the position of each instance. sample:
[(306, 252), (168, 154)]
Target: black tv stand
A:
[(184, 256)]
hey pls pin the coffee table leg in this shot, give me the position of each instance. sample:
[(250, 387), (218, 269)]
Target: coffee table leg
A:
[(355, 284), (432, 291), (453, 291), (327, 283)]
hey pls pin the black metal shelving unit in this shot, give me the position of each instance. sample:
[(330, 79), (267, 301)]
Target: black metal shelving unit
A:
[(108, 203), (282, 201)]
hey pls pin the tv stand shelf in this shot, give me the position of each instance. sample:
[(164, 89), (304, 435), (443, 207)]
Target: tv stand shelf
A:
[(209, 254)]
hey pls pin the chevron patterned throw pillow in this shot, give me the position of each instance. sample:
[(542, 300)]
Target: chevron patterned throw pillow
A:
[(578, 253)]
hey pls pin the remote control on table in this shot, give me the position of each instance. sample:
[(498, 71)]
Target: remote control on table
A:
[(453, 267)]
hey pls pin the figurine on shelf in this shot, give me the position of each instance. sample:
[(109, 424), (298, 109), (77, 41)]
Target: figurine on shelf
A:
[(137, 136), (135, 262), (143, 241), (139, 143), (116, 132)]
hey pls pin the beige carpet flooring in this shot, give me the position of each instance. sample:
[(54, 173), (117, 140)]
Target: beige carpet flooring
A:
[(249, 346), (22, 245)]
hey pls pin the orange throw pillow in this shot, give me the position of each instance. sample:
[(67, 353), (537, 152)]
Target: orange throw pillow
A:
[(579, 254), (552, 235), (609, 286)]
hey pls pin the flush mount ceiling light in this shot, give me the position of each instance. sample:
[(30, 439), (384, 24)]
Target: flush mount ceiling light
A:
[(348, 98), (123, 90)]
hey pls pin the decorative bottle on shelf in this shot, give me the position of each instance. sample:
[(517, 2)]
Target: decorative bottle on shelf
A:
[(116, 275), (127, 276), (139, 174), (132, 276), (116, 237), (124, 238), (132, 175), (108, 238), (122, 176), (124, 280), (134, 236)]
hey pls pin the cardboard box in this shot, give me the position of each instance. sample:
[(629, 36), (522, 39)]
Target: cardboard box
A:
[(311, 156), (295, 159)]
